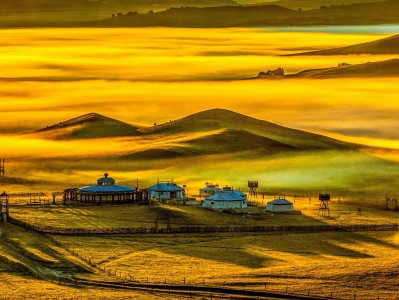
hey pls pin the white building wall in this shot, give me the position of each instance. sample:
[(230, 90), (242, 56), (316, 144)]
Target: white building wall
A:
[(225, 204), (279, 208), (166, 195)]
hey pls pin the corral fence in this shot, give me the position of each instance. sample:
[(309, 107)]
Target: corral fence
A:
[(207, 229)]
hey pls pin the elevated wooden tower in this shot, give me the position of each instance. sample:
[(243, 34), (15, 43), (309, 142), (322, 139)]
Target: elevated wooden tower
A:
[(253, 189), (2, 167), (324, 209)]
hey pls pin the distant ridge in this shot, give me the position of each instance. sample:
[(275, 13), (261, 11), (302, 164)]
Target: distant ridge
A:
[(386, 68), (383, 12), (389, 45)]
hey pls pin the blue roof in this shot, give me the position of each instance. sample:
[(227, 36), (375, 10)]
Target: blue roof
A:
[(228, 196), (106, 179), (115, 188), (280, 202), (165, 187)]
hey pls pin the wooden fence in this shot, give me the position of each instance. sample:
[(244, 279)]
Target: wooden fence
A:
[(207, 229)]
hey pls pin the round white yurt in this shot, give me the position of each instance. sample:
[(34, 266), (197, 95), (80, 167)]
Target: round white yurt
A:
[(280, 205)]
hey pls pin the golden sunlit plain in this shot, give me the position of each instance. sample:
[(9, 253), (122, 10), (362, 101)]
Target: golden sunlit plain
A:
[(148, 104)]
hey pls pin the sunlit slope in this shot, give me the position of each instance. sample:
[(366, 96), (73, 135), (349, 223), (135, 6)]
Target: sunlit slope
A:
[(88, 126), (243, 129), (215, 131), (388, 45), (389, 68)]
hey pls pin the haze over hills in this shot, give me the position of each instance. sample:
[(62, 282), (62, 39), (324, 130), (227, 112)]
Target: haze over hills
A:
[(263, 15), (193, 13), (304, 4), (215, 131), (387, 68), (91, 125), (389, 45)]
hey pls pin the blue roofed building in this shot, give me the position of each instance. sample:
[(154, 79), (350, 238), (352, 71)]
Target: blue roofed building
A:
[(105, 191), (166, 190), (226, 199)]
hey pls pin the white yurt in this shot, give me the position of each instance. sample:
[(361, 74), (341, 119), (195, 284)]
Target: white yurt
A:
[(280, 205), (167, 190)]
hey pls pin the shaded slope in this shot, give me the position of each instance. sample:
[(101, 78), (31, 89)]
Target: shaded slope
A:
[(224, 16), (91, 125), (228, 141), (304, 4), (388, 68), (389, 45), (240, 16)]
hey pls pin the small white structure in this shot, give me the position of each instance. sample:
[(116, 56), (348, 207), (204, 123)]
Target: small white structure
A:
[(209, 190), (280, 205), (226, 199), (166, 190)]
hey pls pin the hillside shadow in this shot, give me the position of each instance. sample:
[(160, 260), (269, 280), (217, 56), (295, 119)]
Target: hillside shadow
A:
[(257, 251)]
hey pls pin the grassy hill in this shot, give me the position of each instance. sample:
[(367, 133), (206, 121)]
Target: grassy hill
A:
[(304, 4), (262, 15), (194, 13), (215, 131), (21, 13), (245, 129), (389, 45), (386, 68), (88, 126)]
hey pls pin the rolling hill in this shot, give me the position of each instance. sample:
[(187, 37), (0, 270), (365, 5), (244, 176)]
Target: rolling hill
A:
[(389, 45), (215, 131), (384, 12), (386, 68), (88, 126), (303, 4), (42, 6)]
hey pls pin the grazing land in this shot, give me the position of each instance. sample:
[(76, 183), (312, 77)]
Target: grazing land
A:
[(142, 106)]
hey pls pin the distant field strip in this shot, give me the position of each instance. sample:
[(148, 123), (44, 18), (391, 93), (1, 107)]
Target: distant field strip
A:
[(206, 229)]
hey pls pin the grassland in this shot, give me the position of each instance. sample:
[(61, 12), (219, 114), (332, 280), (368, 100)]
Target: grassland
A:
[(145, 216), (344, 264), (130, 216)]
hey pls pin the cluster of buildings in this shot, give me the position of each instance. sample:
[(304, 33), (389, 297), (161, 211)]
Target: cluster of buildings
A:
[(107, 191)]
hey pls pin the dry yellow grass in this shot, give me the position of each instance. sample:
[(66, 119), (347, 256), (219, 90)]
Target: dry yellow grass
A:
[(342, 263), (129, 216)]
